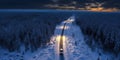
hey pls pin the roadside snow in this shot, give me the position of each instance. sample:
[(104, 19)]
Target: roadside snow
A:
[(77, 48), (41, 54)]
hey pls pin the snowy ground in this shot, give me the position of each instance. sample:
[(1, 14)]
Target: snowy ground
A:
[(74, 46)]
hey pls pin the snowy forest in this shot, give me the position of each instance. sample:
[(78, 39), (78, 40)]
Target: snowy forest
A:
[(103, 28), (33, 30), (28, 30)]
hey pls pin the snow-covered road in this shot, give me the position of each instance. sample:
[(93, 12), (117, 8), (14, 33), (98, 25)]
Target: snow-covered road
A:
[(61, 38)]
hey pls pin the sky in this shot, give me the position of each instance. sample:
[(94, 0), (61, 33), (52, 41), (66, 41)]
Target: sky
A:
[(23, 4)]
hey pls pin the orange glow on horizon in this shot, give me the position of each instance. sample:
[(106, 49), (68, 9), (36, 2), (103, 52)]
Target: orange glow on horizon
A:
[(102, 9)]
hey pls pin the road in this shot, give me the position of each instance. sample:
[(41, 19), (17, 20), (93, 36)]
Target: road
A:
[(61, 39), (61, 44)]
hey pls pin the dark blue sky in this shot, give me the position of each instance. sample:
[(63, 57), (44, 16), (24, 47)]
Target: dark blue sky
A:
[(7, 4)]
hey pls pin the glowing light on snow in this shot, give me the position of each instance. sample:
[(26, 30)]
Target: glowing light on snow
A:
[(64, 38), (69, 21), (63, 27), (59, 37), (61, 49)]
